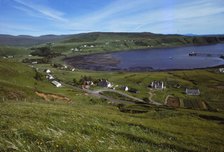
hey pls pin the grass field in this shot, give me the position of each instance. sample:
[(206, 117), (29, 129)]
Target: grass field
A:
[(87, 123)]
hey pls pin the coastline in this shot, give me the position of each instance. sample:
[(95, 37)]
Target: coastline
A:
[(107, 62)]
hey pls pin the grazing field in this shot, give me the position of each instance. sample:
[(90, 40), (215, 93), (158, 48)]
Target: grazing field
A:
[(194, 104)]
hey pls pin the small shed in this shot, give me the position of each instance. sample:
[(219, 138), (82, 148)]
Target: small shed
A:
[(192, 92), (56, 83)]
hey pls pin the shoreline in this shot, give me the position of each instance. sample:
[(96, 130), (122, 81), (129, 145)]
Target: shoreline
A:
[(107, 62)]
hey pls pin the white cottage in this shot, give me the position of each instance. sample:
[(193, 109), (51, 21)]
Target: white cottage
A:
[(56, 83), (47, 71)]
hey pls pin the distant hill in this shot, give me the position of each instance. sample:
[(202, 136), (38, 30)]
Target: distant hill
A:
[(26, 40), (139, 39), (145, 38)]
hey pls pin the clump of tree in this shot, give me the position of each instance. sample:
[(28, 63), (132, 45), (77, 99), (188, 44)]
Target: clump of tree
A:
[(43, 60), (44, 51), (85, 78), (38, 76)]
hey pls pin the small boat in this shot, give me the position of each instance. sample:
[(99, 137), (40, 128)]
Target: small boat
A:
[(171, 58), (192, 53)]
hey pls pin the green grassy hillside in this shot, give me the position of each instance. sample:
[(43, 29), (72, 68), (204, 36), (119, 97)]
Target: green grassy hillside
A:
[(98, 42), (106, 42), (86, 123), (9, 50)]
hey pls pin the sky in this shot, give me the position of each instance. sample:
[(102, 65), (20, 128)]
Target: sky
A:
[(40, 17)]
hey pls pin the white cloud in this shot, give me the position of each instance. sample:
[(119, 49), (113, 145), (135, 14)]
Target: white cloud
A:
[(134, 16), (43, 10)]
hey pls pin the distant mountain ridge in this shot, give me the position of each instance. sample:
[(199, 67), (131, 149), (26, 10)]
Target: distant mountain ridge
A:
[(27, 40), (144, 37)]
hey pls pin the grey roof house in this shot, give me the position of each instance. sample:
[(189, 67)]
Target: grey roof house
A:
[(192, 92)]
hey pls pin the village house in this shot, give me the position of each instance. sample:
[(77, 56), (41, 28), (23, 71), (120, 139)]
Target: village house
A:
[(10, 56), (56, 83), (157, 85), (88, 83), (105, 83), (47, 71), (192, 92), (221, 70), (50, 77), (125, 88)]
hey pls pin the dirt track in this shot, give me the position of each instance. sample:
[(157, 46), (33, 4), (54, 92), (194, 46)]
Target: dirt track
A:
[(52, 97)]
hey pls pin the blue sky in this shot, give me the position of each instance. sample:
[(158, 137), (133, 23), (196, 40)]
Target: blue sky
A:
[(39, 17)]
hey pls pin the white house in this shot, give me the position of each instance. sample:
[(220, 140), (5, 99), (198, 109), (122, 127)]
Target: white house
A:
[(126, 88), (47, 71), (157, 85), (105, 83), (56, 83), (192, 92), (34, 62), (221, 70), (50, 77)]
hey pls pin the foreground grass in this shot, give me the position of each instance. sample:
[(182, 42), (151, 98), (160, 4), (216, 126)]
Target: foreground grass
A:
[(56, 126)]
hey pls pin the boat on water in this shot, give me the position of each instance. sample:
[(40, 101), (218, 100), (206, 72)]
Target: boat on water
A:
[(192, 53)]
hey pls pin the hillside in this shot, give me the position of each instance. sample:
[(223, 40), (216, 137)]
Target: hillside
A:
[(141, 39), (26, 40), (146, 37), (85, 123)]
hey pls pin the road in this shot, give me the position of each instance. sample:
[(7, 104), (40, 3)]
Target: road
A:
[(152, 101), (96, 93)]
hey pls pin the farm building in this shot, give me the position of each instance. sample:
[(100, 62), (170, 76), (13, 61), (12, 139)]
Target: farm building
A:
[(56, 83), (157, 85), (105, 83), (192, 92)]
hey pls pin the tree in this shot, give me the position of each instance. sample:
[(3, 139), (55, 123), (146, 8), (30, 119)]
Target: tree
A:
[(38, 76), (75, 81)]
